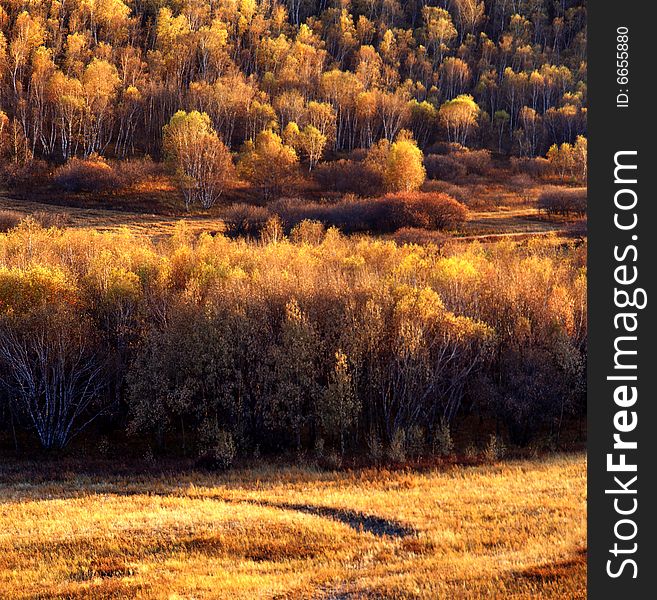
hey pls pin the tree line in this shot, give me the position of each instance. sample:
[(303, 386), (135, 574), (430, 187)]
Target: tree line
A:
[(315, 342)]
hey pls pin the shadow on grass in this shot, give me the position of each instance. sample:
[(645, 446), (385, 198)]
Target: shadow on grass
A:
[(358, 521), (556, 571)]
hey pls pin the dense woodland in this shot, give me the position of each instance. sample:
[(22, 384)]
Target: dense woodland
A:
[(292, 336), (319, 342), (104, 77)]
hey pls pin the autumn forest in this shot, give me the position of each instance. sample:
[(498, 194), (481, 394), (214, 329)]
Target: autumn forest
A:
[(104, 77), (293, 299), (340, 150)]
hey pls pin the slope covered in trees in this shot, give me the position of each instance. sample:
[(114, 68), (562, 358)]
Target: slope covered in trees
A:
[(106, 76)]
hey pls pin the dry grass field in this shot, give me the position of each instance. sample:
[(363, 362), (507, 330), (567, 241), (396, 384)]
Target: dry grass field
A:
[(510, 530), (152, 225), (499, 206)]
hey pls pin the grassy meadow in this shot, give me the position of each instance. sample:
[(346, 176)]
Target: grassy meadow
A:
[(514, 529)]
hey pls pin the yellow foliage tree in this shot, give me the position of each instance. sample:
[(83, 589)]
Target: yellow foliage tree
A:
[(203, 163), (313, 142), (459, 116), (269, 163), (100, 82), (404, 167)]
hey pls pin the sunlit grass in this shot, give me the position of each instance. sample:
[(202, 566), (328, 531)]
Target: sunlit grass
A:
[(513, 530)]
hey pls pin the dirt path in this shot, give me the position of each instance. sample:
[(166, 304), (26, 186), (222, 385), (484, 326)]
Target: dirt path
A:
[(516, 236)]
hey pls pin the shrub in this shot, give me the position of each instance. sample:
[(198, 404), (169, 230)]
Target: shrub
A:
[(135, 171), (349, 176), (442, 439), (375, 448), (495, 449), (477, 162), (308, 232), (380, 215), (428, 211), (245, 219), (563, 201), (97, 174), (416, 445), (374, 215), (444, 167), (578, 229), (218, 450), (521, 182), (350, 215), (397, 448), (421, 237), (93, 174), (339, 403), (458, 163), (25, 174), (539, 168), (9, 219), (48, 219), (272, 231), (445, 148), (437, 186)]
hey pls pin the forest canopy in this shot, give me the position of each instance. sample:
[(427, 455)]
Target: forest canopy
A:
[(106, 76)]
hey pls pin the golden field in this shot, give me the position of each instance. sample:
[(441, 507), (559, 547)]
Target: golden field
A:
[(515, 529)]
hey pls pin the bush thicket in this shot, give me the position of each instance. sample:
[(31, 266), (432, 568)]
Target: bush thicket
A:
[(220, 347), (386, 214), (563, 201)]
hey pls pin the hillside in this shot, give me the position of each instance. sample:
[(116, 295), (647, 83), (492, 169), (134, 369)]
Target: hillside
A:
[(105, 77)]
